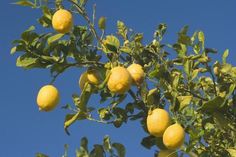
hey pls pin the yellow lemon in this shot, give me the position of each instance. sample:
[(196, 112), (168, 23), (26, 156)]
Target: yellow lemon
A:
[(167, 153), (119, 80), (62, 21), (173, 137), (94, 77), (157, 122), (82, 80), (48, 98), (91, 76), (137, 73)]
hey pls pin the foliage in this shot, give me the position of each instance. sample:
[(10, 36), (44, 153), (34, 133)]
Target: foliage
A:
[(181, 77), (99, 150)]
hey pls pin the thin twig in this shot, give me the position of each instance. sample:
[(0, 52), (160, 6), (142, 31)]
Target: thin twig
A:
[(98, 121), (73, 65), (195, 95), (85, 16), (132, 94), (213, 77)]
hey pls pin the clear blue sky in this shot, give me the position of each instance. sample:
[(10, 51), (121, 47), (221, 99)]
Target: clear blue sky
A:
[(24, 130)]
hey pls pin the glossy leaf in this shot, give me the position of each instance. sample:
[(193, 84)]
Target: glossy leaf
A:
[(25, 3)]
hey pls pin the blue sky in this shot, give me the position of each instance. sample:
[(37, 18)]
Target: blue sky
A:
[(24, 130)]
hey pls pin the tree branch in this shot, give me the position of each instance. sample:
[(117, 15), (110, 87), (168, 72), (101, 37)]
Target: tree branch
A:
[(85, 16), (195, 95), (213, 77)]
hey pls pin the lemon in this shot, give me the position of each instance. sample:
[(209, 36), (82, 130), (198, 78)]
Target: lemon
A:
[(82, 80), (90, 76), (119, 80), (48, 98), (173, 137), (167, 153), (94, 77), (62, 21), (137, 73), (157, 122)]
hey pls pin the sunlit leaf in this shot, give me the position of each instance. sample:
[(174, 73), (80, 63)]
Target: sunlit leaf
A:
[(107, 143), (55, 38), (232, 152), (41, 155), (111, 44), (184, 100), (25, 3), (201, 38), (224, 56)]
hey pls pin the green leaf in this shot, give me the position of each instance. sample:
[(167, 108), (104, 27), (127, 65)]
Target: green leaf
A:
[(81, 2), (153, 97), (120, 149), (201, 38), (194, 74), (71, 118), (213, 104), (104, 113), (84, 97), (181, 49), (83, 150), (120, 113), (122, 29), (221, 121), (13, 50), (138, 37), (84, 143), (226, 68), (232, 152), (110, 44), (107, 144), (26, 62), (231, 90), (197, 48), (76, 100), (225, 55), (54, 38), (161, 29), (25, 3), (187, 68), (46, 19), (40, 155), (97, 151), (184, 100), (102, 23), (126, 49), (159, 143), (29, 35), (210, 50), (81, 153), (184, 30), (148, 142), (183, 38), (46, 12)]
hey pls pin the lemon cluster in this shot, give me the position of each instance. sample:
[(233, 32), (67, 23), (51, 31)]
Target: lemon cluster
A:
[(159, 125), (122, 78)]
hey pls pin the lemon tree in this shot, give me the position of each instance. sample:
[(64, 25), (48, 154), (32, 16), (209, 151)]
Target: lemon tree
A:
[(184, 99)]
